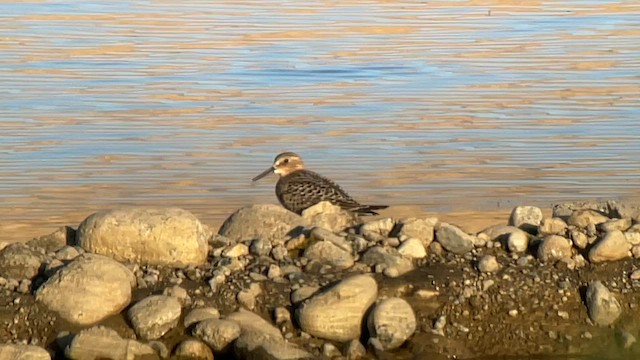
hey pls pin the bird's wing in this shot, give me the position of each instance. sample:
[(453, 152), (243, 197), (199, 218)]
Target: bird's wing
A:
[(315, 188)]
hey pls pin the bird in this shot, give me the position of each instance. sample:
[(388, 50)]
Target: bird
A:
[(298, 188)]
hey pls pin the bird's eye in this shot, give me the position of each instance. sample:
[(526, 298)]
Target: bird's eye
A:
[(285, 161)]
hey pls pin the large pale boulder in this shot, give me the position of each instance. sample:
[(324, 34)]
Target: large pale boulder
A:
[(554, 247), (392, 322), (261, 340), (158, 236), (527, 218), (18, 261), (454, 239), (613, 246), (268, 222), (89, 289), (419, 228), (337, 313), (604, 309), (154, 316), (23, 352), (104, 343), (586, 217)]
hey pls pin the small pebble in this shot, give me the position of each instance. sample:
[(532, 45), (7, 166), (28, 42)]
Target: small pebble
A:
[(488, 264), (563, 314)]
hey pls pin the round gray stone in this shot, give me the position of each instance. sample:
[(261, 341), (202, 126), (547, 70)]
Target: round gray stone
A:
[(154, 316), (337, 313), (392, 322), (89, 289)]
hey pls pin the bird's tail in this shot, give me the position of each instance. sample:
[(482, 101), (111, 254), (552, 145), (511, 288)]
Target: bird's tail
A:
[(369, 209)]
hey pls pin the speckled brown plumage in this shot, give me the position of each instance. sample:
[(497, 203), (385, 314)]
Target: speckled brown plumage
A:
[(298, 188)]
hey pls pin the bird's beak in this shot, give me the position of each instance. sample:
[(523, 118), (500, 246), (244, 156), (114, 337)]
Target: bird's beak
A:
[(263, 174)]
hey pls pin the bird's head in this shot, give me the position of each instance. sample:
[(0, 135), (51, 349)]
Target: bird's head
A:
[(283, 165)]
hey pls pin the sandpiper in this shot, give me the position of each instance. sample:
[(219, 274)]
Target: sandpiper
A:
[(299, 188)]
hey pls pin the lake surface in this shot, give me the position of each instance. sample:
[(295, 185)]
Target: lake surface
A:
[(442, 105)]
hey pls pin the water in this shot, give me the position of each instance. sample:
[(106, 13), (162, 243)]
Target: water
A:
[(443, 105)]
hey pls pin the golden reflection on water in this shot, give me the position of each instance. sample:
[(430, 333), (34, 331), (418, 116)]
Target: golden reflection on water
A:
[(435, 107)]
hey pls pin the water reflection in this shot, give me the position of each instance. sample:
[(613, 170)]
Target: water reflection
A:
[(444, 105)]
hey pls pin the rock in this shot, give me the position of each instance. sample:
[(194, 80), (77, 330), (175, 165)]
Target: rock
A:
[(604, 308), (622, 210), (436, 249), (274, 272), (391, 241), (624, 338), (179, 293), (482, 240), (518, 241), (200, 314), (500, 233), (236, 251), (633, 234), (412, 248), (219, 334), (302, 294), (193, 350), (104, 343), (438, 326), (320, 234), (24, 287), (579, 239), (281, 315), (247, 297), (89, 289), (67, 253), (261, 340), (269, 222), (554, 247), (328, 253), (615, 224), (388, 259), (330, 351), (64, 235), (160, 348), (583, 218), (421, 229), (527, 218), (635, 251), (377, 230), (260, 247), (565, 210), (328, 216), (18, 261), (454, 239), (337, 313), (279, 253), (154, 316), (552, 226), (23, 352), (164, 236), (613, 246), (355, 350), (488, 264), (392, 322)]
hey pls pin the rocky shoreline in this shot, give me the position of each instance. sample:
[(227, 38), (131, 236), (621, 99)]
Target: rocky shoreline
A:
[(145, 283)]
